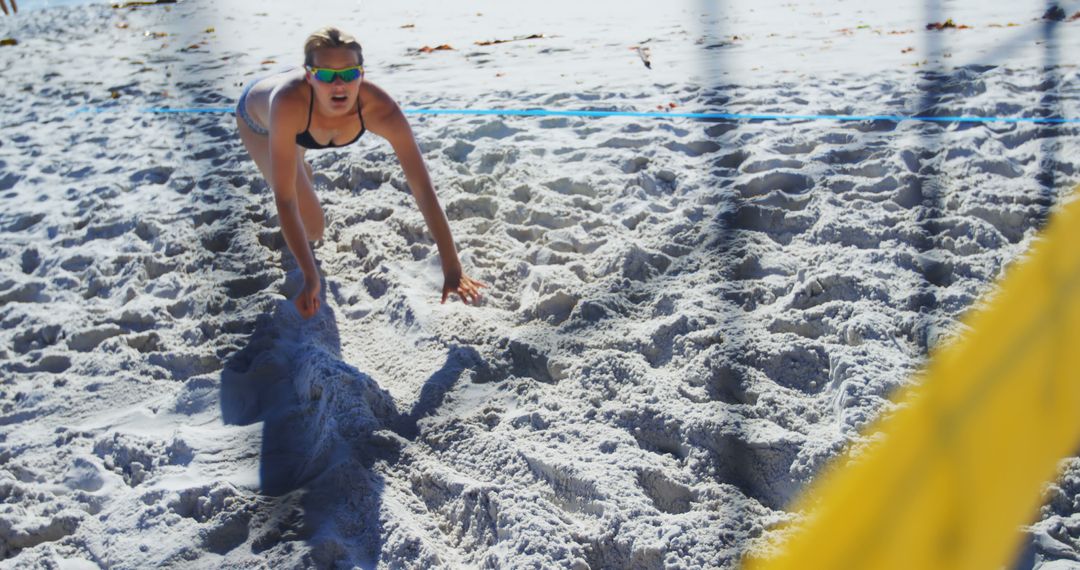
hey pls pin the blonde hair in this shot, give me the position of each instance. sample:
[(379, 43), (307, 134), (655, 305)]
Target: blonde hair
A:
[(331, 37)]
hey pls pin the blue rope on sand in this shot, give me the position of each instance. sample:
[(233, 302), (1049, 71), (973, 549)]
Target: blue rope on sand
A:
[(642, 115)]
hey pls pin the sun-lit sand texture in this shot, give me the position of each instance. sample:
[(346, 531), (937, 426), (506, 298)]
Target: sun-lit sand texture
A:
[(684, 321)]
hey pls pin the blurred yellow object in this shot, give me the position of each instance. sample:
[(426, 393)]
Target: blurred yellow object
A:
[(960, 466)]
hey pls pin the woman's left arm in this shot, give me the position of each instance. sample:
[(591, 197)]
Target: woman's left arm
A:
[(390, 123)]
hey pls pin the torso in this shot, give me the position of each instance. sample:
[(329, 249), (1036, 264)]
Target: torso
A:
[(291, 85)]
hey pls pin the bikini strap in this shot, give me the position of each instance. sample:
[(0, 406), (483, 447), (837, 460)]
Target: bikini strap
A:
[(360, 113), (311, 105)]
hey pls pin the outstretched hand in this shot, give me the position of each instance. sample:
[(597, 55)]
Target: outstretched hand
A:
[(464, 286), (307, 301)]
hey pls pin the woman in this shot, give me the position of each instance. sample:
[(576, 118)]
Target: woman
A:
[(327, 104)]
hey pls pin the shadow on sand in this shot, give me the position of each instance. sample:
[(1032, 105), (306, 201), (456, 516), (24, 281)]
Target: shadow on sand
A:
[(326, 426)]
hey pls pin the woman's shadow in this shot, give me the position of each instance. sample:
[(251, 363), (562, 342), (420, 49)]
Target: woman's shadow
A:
[(325, 425)]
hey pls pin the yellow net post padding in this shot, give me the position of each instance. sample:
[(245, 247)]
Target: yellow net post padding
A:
[(960, 466)]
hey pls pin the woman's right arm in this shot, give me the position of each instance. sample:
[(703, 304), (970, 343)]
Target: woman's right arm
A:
[(283, 169)]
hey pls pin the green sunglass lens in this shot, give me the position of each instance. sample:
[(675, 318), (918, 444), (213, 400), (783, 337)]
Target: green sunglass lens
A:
[(328, 75)]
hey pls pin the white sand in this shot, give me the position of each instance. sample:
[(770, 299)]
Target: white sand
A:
[(686, 319)]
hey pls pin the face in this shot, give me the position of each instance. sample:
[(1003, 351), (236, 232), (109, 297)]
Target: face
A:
[(339, 97)]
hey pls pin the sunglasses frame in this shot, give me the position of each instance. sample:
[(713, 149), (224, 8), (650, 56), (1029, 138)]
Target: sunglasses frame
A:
[(335, 73)]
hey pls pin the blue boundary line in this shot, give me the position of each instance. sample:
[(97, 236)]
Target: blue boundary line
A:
[(643, 115)]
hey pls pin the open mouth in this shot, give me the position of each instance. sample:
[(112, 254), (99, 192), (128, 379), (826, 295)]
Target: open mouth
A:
[(338, 98)]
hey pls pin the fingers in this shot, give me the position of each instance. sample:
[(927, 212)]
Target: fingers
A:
[(472, 288), (467, 289), (306, 305), (468, 294), (461, 292)]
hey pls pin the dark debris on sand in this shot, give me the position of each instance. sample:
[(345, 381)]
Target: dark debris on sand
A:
[(144, 3), (947, 24)]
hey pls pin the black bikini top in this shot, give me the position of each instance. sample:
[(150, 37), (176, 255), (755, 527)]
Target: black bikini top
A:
[(305, 139)]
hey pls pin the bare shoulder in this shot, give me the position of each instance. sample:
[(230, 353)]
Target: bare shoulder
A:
[(376, 100), (381, 113), (289, 102)]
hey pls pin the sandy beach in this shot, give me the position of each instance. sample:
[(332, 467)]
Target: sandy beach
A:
[(685, 319)]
